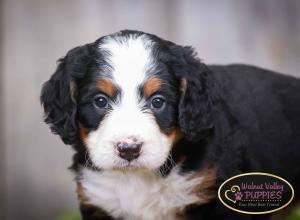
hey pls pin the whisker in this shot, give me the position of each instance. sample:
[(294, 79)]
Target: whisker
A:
[(169, 164)]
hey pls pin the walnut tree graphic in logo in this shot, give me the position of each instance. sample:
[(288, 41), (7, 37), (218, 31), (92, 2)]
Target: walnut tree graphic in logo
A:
[(256, 193)]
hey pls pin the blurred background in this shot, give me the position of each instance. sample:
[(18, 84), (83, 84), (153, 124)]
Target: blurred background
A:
[(34, 180)]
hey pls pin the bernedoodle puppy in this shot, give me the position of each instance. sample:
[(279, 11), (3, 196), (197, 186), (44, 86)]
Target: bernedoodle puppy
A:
[(156, 131)]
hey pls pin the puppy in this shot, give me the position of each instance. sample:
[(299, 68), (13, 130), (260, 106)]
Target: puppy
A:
[(156, 131)]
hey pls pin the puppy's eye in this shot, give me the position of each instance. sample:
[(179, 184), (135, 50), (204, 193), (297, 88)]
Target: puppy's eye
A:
[(157, 102), (101, 102)]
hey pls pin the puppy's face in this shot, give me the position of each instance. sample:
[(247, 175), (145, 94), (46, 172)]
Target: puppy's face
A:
[(127, 105), (127, 97)]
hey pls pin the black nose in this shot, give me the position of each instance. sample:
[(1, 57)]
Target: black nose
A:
[(129, 149)]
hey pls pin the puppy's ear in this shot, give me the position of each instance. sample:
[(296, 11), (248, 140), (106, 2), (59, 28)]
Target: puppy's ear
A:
[(58, 95), (197, 93)]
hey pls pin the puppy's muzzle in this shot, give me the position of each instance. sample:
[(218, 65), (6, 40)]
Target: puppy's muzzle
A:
[(129, 148)]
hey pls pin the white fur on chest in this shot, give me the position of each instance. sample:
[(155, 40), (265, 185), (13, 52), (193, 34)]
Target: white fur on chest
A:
[(139, 194)]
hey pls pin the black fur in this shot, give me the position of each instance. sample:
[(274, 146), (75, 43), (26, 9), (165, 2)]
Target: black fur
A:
[(195, 102), (59, 104), (237, 118)]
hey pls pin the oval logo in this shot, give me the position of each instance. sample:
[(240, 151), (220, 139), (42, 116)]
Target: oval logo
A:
[(256, 193)]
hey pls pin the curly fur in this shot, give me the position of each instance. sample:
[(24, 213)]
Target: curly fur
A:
[(234, 118)]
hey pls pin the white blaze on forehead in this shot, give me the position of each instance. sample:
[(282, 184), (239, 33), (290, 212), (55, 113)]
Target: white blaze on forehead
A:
[(130, 59)]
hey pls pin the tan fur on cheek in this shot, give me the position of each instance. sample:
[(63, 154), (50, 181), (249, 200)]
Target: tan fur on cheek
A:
[(106, 86), (175, 135), (83, 132), (152, 85)]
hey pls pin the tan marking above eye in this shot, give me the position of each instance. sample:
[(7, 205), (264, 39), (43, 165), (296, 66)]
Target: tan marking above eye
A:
[(107, 87), (152, 85)]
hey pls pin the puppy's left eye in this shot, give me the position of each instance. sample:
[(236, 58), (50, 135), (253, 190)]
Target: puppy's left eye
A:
[(101, 102), (158, 102)]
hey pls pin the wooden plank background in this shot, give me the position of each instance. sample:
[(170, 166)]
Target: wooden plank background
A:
[(35, 33)]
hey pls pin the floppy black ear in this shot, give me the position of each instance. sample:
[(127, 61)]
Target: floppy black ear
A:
[(197, 93), (58, 95)]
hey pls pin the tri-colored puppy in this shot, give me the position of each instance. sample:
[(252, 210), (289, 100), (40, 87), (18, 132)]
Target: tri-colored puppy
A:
[(156, 131)]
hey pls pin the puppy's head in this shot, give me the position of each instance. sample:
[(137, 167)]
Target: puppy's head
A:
[(128, 97)]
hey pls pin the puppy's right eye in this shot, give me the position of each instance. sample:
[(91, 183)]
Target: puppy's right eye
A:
[(157, 102), (101, 102)]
